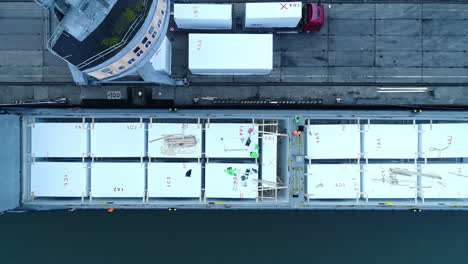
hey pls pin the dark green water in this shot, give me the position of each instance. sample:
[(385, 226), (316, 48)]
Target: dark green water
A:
[(234, 237)]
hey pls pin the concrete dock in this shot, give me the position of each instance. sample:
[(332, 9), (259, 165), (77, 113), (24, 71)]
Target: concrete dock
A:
[(363, 46)]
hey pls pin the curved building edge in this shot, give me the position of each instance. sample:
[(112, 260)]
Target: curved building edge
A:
[(140, 49)]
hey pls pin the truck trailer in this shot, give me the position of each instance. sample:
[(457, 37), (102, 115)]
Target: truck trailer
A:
[(231, 54), (273, 15), (298, 16), (203, 16)]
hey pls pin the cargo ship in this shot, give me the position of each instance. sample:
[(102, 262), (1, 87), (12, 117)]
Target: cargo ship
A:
[(233, 159), (236, 152)]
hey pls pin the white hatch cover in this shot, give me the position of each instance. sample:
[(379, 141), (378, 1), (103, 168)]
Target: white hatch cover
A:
[(168, 140), (118, 180), (177, 180), (391, 141), (232, 140), (333, 181), (231, 180), (58, 140), (390, 180), (445, 140), (58, 179), (444, 180), (118, 140), (333, 142)]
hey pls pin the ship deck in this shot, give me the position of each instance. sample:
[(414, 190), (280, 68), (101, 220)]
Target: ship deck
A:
[(399, 173), (363, 47)]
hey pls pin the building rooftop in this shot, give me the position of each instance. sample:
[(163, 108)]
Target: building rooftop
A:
[(81, 17), (108, 39)]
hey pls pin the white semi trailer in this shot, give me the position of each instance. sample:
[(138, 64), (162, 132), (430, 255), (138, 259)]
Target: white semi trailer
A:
[(231, 54), (203, 16), (273, 15), (241, 54)]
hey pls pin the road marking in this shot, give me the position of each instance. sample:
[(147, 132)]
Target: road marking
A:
[(450, 10), (424, 76)]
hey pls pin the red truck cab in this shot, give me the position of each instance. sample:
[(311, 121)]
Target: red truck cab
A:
[(313, 17)]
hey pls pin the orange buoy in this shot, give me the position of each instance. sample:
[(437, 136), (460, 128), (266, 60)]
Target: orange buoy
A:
[(110, 210)]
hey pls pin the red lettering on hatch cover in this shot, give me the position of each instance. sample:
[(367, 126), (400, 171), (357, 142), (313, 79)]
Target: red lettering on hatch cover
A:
[(168, 181), (195, 11), (379, 142), (317, 138)]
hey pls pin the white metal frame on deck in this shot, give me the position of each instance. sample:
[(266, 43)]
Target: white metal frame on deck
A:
[(115, 180), (269, 157), (58, 139), (58, 179), (333, 141), (333, 181), (118, 140), (396, 141), (380, 182), (453, 181), (174, 180), (445, 140), (231, 140), (162, 139), (219, 183)]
